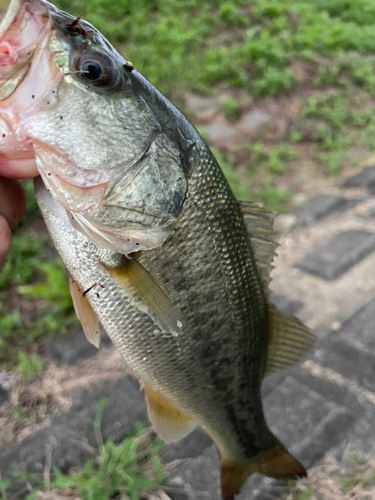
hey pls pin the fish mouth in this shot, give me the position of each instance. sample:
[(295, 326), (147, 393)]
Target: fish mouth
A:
[(25, 32), (21, 30)]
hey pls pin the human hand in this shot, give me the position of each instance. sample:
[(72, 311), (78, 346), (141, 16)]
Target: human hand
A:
[(12, 201)]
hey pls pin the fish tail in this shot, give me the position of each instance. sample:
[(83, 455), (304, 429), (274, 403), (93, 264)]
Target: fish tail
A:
[(275, 462)]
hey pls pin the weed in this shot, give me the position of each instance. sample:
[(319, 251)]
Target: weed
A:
[(273, 198), (18, 413), (54, 289), (29, 365), (230, 108), (332, 161), (23, 256), (278, 156), (359, 473), (55, 309), (189, 45), (333, 109), (124, 470)]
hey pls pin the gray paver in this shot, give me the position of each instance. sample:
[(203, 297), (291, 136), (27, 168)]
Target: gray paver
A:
[(286, 304), (197, 478), (69, 438), (220, 132), (303, 419), (202, 103), (306, 422), (254, 120), (4, 396), (190, 447), (312, 130), (351, 350), (360, 180), (320, 206), (340, 254), (69, 349)]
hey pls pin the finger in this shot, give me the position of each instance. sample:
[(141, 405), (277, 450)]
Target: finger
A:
[(22, 168), (4, 241), (12, 201)]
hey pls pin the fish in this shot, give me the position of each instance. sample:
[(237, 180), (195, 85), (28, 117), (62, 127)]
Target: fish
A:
[(157, 248)]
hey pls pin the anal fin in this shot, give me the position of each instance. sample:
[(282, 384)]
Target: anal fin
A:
[(85, 313), (289, 341), (169, 423), (147, 295)]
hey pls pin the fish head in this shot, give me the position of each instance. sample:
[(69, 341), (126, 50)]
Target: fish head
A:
[(70, 103)]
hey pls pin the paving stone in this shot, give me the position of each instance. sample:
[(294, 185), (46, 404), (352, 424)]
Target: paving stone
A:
[(191, 446), (70, 437), (69, 349), (286, 304), (202, 103), (340, 254), (220, 132), (351, 350), (312, 130), (360, 439), (255, 120), (360, 180), (306, 422), (196, 478), (4, 396), (320, 206)]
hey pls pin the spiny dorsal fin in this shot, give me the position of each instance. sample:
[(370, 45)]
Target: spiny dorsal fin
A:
[(147, 295), (263, 239), (85, 313), (289, 341), (169, 423)]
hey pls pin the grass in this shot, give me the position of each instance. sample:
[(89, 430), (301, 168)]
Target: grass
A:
[(127, 470), (192, 46), (257, 46), (34, 294), (234, 48), (331, 480)]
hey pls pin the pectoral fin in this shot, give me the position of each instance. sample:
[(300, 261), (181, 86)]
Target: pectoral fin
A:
[(289, 341), (85, 313), (147, 295), (169, 423)]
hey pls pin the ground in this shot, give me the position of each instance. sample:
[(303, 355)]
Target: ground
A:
[(284, 94)]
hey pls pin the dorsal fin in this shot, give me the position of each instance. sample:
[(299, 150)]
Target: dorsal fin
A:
[(289, 340), (263, 239)]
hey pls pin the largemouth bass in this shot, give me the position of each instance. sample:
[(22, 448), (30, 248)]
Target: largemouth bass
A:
[(156, 247)]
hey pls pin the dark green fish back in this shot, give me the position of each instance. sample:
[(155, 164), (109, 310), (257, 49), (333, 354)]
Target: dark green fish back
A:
[(207, 270)]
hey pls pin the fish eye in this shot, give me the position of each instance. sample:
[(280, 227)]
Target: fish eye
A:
[(96, 69), (91, 70)]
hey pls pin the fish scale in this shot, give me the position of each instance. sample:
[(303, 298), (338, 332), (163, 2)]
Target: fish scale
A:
[(239, 304)]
